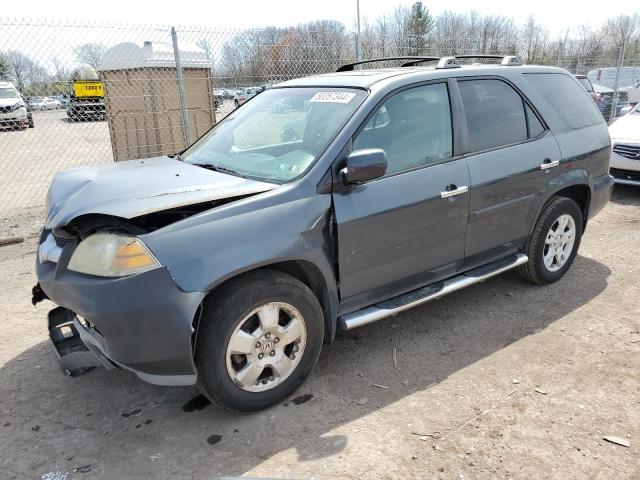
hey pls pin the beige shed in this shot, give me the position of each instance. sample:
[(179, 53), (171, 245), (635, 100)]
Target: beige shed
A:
[(143, 100)]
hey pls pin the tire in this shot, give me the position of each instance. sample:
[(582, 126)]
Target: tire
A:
[(232, 306), (236, 103), (537, 270)]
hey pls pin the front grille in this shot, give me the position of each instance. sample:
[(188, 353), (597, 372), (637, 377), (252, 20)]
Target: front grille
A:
[(628, 151), (625, 174), (5, 109)]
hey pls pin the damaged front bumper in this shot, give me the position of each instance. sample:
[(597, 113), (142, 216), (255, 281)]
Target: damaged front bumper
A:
[(142, 323)]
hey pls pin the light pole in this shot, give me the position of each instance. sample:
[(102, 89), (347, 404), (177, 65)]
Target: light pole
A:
[(358, 42)]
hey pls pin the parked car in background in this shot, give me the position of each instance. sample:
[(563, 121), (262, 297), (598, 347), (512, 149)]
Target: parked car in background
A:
[(222, 95), (231, 264), (633, 94), (586, 83), (63, 99), (13, 109), (625, 151), (246, 93), (606, 100), (44, 103)]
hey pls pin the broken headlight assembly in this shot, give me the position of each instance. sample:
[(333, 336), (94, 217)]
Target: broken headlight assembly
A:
[(111, 255)]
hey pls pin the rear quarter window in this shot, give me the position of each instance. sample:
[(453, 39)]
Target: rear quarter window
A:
[(567, 97)]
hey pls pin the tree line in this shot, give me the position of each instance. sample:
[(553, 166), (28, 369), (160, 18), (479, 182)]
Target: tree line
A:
[(273, 53)]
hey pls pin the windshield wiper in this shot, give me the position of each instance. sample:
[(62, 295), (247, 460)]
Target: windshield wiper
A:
[(217, 168)]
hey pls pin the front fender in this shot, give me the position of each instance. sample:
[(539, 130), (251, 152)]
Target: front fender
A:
[(205, 250)]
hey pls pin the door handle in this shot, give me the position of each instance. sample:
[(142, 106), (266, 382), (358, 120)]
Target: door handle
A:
[(547, 163), (453, 191)]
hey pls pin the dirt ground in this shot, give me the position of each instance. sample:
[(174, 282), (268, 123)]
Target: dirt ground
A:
[(517, 381)]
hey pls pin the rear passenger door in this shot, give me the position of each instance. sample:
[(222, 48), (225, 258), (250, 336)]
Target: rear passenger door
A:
[(511, 157)]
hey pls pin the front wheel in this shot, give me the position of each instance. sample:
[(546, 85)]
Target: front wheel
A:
[(554, 242), (259, 337)]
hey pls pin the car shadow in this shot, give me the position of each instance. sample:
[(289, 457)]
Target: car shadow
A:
[(119, 425), (626, 195)]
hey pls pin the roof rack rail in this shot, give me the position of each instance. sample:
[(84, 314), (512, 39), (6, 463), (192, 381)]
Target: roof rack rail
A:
[(448, 62), (507, 60), (350, 66)]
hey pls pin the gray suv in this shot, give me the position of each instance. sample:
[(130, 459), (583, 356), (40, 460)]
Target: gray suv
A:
[(323, 203)]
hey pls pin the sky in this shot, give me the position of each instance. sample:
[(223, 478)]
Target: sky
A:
[(557, 15)]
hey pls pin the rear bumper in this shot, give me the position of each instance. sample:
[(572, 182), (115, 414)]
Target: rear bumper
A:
[(601, 189), (142, 323)]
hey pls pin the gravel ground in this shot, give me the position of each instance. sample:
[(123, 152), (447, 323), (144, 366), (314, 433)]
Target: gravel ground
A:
[(501, 380)]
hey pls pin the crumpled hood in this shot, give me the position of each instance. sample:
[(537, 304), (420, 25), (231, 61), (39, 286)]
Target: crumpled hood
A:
[(626, 128), (137, 187)]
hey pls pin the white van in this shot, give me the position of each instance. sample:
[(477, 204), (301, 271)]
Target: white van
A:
[(13, 110)]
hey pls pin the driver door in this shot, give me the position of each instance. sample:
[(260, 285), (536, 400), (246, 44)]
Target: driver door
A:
[(407, 228)]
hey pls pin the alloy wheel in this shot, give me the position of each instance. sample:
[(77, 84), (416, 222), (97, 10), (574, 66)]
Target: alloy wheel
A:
[(266, 347)]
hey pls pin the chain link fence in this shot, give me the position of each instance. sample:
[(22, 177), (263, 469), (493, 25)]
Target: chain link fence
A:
[(98, 93)]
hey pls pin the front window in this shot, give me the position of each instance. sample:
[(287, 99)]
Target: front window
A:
[(8, 92), (278, 134)]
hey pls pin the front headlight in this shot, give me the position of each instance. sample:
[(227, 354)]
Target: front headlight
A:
[(109, 255), (17, 106)]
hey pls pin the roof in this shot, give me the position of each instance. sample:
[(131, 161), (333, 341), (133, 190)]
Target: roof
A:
[(128, 55), (366, 78)]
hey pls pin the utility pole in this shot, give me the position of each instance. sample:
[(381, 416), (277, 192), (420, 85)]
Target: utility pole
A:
[(183, 96), (358, 40), (614, 103)]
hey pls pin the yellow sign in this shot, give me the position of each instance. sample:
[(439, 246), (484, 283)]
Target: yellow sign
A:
[(88, 89)]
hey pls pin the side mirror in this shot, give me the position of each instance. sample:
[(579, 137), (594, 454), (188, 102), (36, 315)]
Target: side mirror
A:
[(363, 165)]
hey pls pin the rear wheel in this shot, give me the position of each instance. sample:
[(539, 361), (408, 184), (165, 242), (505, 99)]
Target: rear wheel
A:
[(259, 337), (554, 242)]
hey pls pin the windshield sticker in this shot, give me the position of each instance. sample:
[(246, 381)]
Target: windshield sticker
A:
[(333, 97)]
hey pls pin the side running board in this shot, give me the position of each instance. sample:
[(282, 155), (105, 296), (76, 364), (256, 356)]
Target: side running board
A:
[(423, 295)]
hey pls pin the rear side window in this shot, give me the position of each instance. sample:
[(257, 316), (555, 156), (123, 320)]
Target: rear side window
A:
[(495, 114), (567, 98), (585, 83)]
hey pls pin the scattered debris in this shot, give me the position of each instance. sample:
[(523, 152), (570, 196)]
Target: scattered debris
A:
[(6, 424), (302, 399), (540, 391), (414, 457), (405, 382), (196, 403), (132, 412), (10, 241), (384, 387), (55, 476), (515, 381), (489, 410), (148, 422), (359, 374), (155, 456), (395, 359), (213, 439), (425, 436), (363, 401), (83, 469), (617, 440), (35, 428)]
